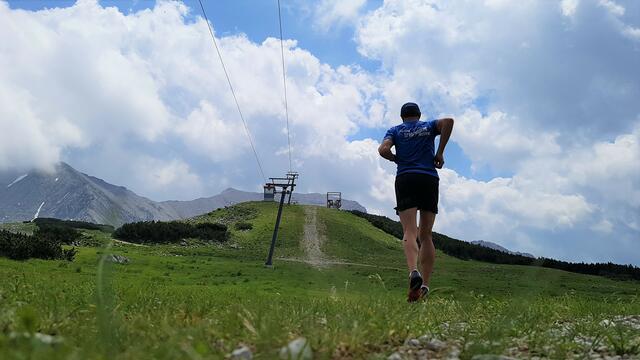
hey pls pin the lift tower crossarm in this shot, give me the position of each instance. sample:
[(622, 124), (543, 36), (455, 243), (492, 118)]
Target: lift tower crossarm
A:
[(293, 176)]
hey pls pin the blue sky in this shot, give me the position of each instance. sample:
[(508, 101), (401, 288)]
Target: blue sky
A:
[(545, 152), (257, 20)]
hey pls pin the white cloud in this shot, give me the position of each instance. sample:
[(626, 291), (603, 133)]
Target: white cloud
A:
[(604, 226), (547, 83), (382, 188), (206, 132), (110, 85), (507, 203), (18, 139), (594, 188), (617, 12), (174, 174), (631, 32), (72, 88), (329, 14), (568, 7), (612, 7), (496, 140)]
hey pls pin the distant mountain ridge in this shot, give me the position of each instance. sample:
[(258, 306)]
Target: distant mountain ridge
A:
[(69, 194), (494, 246), (231, 196)]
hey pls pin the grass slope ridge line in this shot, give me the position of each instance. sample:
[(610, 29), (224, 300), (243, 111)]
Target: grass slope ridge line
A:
[(468, 251)]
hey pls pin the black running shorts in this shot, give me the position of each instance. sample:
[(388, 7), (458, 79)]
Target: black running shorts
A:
[(417, 191)]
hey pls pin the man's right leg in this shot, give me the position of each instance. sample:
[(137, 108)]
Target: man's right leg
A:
[(410, 232), (427, 250)]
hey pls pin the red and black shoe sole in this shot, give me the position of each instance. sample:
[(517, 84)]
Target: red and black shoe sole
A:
[(414, 289)]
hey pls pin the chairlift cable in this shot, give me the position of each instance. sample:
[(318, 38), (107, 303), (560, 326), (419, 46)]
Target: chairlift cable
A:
[(246, 128), (284, 82)]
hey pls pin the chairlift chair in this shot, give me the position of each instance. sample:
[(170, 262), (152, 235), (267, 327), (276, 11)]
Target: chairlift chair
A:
[(334, 200), (269, 192)]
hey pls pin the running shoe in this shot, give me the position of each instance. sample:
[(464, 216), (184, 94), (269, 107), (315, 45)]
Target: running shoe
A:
[(415, 281), (424, 292)]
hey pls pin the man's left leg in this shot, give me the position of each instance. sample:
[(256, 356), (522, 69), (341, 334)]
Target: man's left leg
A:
[(410, 231), (408, 220), (427, 250)]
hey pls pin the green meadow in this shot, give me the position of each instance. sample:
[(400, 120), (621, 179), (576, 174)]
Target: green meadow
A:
[(198, 300)]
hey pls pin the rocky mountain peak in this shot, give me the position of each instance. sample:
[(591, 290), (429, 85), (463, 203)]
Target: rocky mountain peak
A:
[(66, 193)]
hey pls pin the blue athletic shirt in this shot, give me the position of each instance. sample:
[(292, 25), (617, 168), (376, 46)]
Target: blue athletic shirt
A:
[(415, 146)]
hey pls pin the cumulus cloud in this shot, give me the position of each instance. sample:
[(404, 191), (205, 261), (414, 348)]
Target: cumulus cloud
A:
[(631, 32), (595, 187), (612, 7), (586, 189), (329, 14), (111, 85), (522, 57), (496, 140), (507, 203), (568, 7), (72, 88), (23, 141), (617, 12), (161, 175), (206, 132)]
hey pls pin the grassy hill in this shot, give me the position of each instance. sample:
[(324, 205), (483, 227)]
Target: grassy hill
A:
[(201, 300)]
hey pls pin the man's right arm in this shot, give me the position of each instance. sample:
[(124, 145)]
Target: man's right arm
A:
[(445, 127), (385, 150)]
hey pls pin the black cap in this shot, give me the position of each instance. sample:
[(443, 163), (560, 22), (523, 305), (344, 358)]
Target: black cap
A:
[(409, 110)]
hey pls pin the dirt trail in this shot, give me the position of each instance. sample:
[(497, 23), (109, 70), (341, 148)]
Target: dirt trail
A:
[(312, 240)]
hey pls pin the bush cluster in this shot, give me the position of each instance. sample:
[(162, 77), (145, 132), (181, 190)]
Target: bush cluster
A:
[(210, 231), (468, 251), (58, 234), (158, 232), (243, 226), (40, 245)]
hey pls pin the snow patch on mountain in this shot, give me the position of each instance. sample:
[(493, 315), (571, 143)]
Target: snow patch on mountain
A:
[(38, 212), (17, 180)]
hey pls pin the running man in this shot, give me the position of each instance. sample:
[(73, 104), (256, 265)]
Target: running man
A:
[(417, 188)]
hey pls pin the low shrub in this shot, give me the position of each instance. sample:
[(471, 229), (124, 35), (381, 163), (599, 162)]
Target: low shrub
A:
[(211, 231), (153, 232), (22, 247), (14, 246), (60, 234), (158, 232), (243, 226)]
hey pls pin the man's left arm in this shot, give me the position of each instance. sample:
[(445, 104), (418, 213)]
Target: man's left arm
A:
[(445, 127)]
